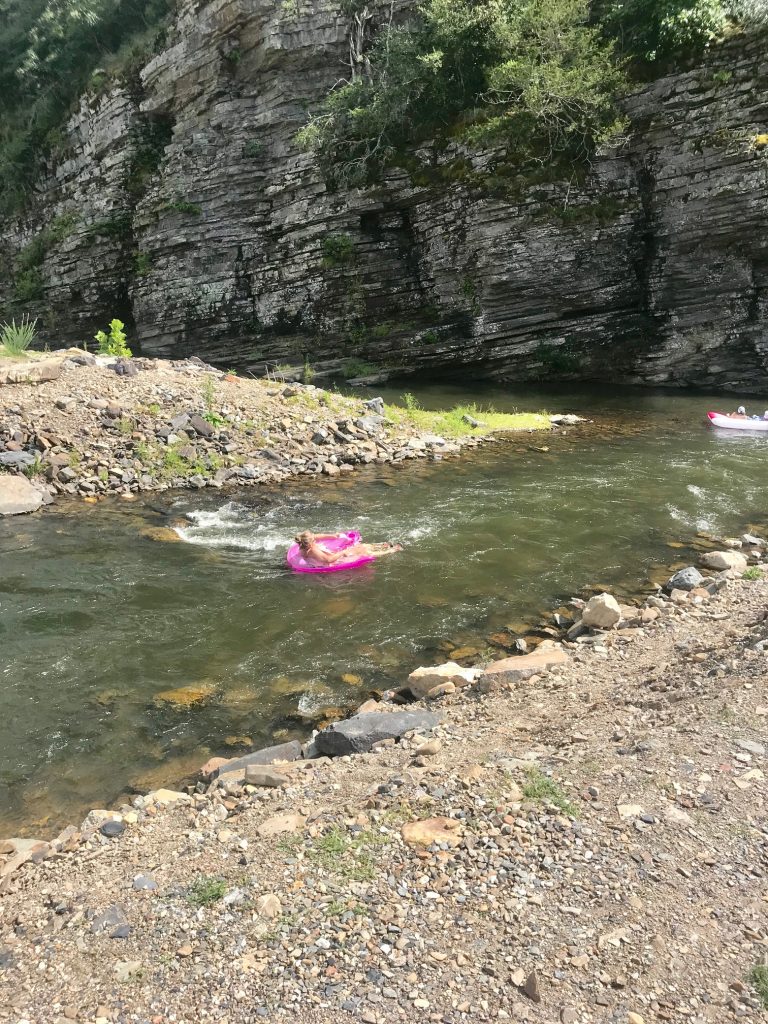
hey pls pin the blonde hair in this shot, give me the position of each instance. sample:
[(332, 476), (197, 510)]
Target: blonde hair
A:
[(304, 539)]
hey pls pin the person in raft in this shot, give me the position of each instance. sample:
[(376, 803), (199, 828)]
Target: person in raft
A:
[(312, 550)]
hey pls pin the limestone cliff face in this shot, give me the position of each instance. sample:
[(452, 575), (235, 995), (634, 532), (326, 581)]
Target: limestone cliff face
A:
[(200, 222)]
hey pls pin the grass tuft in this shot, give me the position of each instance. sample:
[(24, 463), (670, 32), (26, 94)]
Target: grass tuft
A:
[(541, 787), (15, 338), (752, 573), (758, 979), (206, 890)]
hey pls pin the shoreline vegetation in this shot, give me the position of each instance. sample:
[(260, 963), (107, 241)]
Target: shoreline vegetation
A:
[(494, 847), (84, 426)]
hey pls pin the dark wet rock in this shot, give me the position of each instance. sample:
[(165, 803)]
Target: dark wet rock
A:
[(112, 828), (685, 579), (290, 751), (358, 734)]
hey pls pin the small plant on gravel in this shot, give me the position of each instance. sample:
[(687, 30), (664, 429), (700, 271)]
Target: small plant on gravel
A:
[(753, 573), (116, 342), (541, 787), (758, 979), (347, 854), (209, 397), (34, 468), (206, 890), (15, 338)]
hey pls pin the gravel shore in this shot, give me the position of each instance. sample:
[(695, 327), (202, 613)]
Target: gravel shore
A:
[(585, 845), (86, 427)]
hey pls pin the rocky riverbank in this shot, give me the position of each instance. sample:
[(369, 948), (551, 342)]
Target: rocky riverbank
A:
[(576, 834), (86, 426)]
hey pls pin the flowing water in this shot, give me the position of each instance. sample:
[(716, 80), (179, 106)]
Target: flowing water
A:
[(96, 619)]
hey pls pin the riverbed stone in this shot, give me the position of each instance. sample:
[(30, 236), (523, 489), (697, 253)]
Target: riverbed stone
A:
[(445, 831), (518, 669), (289, 751), (601, 612), (263, 775), (684, 579), (358, 734), (31, 371), (17, 496), (426, 678), (183, 697), (722, 560)]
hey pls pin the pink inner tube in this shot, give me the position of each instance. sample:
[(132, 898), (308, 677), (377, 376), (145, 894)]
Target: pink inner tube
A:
[(296, 560)]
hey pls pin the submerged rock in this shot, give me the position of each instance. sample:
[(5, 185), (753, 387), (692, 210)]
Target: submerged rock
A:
[(185, 696), (358, 734)]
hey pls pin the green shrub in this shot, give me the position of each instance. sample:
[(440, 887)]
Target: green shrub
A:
[(252, 149), (28, 285), (664, 30), (114, 343), (532, 76), (142, 264), (206, 890), (358, 368), (758, 979), (16, 338), (338, 250)]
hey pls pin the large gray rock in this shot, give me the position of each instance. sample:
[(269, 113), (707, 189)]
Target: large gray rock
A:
[(358, 734), (17, 459), (31, 372), (17, 495), (685, 579), (290, 751)]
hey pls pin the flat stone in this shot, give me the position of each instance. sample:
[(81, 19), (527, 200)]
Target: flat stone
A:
[(31, 372), (268, 906), (751, 747), (281, 823), (517, 669), (112, 828), (201, 426), (290, 751), (446, 831), (17, 495), (358, 734), (166, 797), (262, 775)]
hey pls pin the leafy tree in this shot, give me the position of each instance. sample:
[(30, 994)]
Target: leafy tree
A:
[(532, 76)]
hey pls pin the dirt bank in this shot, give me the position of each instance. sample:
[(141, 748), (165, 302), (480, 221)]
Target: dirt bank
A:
[(597, 853), (76, 425)]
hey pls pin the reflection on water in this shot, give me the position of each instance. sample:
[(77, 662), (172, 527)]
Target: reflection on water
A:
[(96, 620)]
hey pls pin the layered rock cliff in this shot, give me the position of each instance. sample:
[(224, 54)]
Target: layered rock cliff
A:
[(182, 203)]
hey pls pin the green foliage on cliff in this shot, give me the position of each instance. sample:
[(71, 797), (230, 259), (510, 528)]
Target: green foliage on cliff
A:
[(661, 31), (49, 51), (532, 76)]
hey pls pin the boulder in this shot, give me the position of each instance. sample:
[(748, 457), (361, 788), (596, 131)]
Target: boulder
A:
[(684, 579), (424, 679), (358, 734), (17, 495), (31, 371), (17, 458), (517, 669), (264, 776), (601, 612), (290, 751), (722, 560)]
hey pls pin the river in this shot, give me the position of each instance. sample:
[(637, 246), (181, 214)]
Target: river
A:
[(96, 620)]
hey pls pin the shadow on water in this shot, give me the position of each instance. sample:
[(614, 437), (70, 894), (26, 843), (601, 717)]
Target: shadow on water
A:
[(99, 624)]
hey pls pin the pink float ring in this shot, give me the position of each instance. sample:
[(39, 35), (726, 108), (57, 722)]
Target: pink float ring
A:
[(297, 562)]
